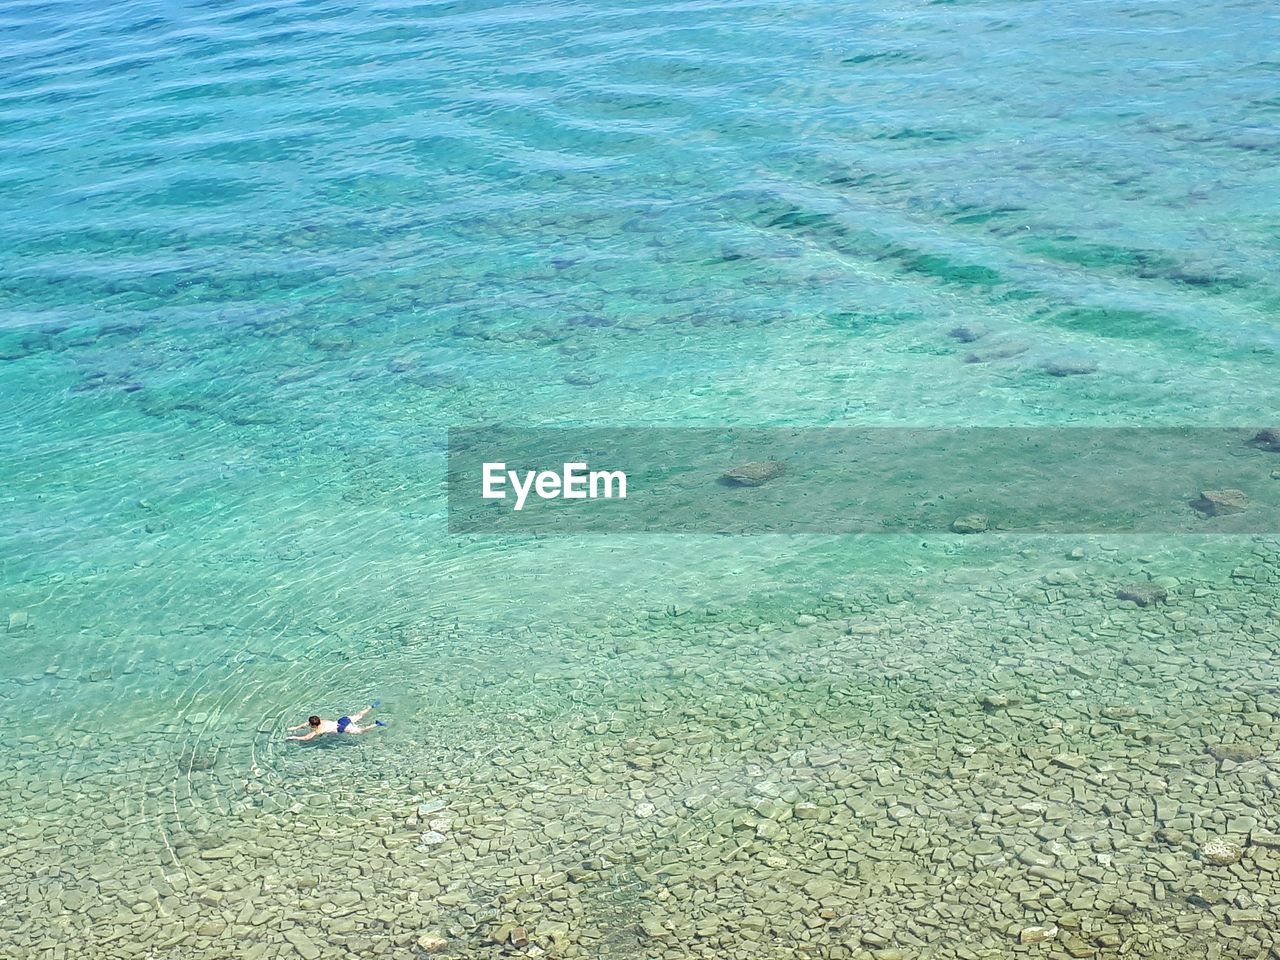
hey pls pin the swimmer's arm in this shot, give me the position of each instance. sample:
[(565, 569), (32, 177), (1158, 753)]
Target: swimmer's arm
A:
[(298, 727), (310, 736)]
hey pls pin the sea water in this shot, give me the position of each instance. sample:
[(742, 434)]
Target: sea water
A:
[(259, 257)]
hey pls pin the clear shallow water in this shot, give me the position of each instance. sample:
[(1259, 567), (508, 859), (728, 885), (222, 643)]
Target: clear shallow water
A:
[(258, 257)]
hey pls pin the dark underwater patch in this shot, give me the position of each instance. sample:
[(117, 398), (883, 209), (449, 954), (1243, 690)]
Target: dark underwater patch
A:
[(947, 270), (869, 319), (200, 192), (883, 57), (1097, 255), (1120, 324)]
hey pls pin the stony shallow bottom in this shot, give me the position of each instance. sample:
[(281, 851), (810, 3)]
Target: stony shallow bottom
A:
[(1036, 768)]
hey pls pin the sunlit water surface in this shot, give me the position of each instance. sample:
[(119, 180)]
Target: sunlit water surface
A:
[(257, 257)]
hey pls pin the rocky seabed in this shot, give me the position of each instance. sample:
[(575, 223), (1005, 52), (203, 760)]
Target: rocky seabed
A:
[(1074, 766)]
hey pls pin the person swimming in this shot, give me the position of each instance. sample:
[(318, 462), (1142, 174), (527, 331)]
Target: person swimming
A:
[(351, 724)]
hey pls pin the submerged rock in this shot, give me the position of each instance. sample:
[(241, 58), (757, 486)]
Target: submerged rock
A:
[(197, 761), (1219, 503), (1143, 594), (1037, 934), (1235, 752), (1267, 439), (1068, 368), (432, 943), (1221, 851), (1060, 578), (302, 943), (1003, 352), (966, 334), (651, 928), (225, 852), (999, 701), (755, 473), (973, 523)]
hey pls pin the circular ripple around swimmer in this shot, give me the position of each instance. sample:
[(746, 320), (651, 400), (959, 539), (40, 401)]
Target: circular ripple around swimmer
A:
[(231, 751), (222, 759)]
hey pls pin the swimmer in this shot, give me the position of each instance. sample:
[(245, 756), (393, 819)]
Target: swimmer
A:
[(349, 724)]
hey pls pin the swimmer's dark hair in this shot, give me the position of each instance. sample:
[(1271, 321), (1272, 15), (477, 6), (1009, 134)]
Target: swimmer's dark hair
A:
[(313, 720)]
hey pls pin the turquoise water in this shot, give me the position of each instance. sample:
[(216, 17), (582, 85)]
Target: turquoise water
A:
[(257, 258)]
